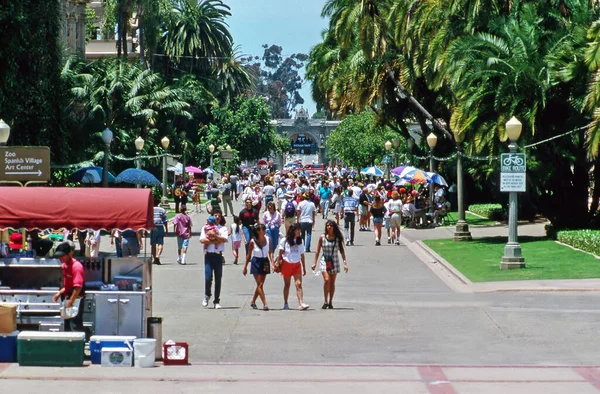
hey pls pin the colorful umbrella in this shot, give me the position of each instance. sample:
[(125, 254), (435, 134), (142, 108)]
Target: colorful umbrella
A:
[(398, 170), (437, 178), (373, 171), (137, 177), (208, 170), (192, 169), (90, 175), (416, 176)]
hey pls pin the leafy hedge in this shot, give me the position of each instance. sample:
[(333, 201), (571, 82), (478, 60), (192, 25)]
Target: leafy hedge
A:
[(588, 240), (490, 211)]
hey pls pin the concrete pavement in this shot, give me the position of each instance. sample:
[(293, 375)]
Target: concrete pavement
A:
[(397, 327)]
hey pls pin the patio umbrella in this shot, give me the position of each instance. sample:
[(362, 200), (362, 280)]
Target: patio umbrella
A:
[(437, 178), (90, 175), (193, 169), (398, 170), (177, 169), (208, 170), (416, 176), (373, 171), (136, 176)]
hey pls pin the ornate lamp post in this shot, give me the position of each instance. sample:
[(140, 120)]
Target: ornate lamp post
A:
[(211, 149), (388, 146), (107, 137), (4, 132), (139, 145), (512, 257), (431, 141), (396, 143), (164, 200), (461, 232)]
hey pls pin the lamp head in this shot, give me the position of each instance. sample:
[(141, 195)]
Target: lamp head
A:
[(165, 142), (107, 136), (513, 129), (211, 148), (139, 144), (396, 142), (228, 147), (4, 132), (431, 140), (459, 137), (388, 145)]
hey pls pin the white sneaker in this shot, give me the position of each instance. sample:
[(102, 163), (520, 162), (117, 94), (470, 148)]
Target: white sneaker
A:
[(205, 301), (178, 260), (303, 307), (347, 242), (217, 306)]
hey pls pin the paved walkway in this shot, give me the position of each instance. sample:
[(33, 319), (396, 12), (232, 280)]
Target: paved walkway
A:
[(396, 327)]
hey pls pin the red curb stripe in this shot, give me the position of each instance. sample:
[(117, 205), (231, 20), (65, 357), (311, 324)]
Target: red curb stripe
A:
[(436, 380), (591, 375), (3, 367)]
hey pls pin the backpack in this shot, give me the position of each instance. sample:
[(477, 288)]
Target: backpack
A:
[(290, 209)]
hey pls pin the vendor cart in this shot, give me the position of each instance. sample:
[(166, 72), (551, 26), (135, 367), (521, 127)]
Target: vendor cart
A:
[(30, 282)]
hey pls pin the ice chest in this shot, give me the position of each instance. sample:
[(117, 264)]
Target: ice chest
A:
[(8, 347), (98, 342), (117, 357), (56, 349)]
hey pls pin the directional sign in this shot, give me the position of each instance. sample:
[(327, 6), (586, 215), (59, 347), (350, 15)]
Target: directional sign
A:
[(24, 163), (227, 155), (512, 175)]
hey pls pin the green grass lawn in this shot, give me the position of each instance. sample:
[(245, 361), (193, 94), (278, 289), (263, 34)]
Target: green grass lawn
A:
[(479, 260), (472, 220)]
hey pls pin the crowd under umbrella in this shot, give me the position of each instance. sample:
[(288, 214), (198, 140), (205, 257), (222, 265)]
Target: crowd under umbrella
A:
[(373, 171), (137, 176), (90, 174)]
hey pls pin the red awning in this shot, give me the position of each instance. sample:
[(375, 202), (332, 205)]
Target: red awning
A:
[(68, 207)]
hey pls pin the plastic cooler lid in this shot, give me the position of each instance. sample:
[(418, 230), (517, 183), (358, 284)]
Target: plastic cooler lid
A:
[(115, 349), (9, 334), (112, 338), (73, 336)]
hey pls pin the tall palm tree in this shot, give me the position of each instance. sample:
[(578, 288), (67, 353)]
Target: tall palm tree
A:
[(231, 78)]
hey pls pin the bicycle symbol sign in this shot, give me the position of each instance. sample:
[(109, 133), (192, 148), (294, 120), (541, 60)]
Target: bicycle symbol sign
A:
[(513, 162)]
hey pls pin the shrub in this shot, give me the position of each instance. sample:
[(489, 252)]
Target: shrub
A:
[(588, 240), (490, 211)]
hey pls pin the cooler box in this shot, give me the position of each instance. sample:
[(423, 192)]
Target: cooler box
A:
[(55, 349), (117, 357), (8, 347), (98, 342)]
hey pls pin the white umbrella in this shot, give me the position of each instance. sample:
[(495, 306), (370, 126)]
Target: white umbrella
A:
[(373, 171), (437, 178)]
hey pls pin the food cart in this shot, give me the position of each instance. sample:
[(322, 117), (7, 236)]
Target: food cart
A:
[(30, 282)]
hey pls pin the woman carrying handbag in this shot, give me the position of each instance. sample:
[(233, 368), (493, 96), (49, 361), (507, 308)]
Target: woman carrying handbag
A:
[(261, 256), (331, 243)]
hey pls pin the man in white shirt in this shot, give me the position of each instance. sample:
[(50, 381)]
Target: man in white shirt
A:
[(306, 217), (269, 192), (214, 246)]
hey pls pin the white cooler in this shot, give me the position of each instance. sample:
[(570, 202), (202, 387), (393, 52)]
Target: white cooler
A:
[(117, 357)]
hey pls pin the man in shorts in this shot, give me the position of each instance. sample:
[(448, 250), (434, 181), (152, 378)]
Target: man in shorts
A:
[(157, 235)]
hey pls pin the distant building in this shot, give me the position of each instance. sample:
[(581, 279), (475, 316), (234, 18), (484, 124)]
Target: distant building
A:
[(72, 32)]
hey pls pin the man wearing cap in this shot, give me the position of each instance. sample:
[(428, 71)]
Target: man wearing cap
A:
[(213, 259), (73, 284), (182, 227)]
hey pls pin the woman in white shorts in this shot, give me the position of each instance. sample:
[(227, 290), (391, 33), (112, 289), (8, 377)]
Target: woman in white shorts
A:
[(336, 202), (395, 207)]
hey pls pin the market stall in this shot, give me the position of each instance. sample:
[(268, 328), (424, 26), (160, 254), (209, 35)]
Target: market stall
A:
[(30, 282)]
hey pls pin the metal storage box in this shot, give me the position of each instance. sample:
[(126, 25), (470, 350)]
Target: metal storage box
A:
[(57, 349), (8, 347)]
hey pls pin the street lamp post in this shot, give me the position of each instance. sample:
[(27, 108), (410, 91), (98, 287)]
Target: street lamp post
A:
[(211, 149), (411, 144), (461, 232), (107, 137), (164, 201), (183, 170), (388, 146), (431, 141), (396, 143), (4, 132), (139, 145), (512, 257)]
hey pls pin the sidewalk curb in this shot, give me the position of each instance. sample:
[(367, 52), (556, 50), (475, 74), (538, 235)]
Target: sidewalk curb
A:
[(460, 284)]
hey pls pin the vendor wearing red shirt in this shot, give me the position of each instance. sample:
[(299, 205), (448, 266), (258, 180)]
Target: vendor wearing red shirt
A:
[(73, 283)]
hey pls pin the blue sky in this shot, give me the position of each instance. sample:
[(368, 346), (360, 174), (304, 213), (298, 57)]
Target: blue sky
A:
[(296, 25)]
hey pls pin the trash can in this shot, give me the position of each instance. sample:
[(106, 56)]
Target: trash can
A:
[(155, 331)]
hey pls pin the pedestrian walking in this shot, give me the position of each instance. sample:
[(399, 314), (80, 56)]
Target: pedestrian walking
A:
[(350, 208), (235, 232), (291, 264), (214, 246), (261, 255), (378, 210), (325, 196), (336, 204), (288, 210), (182, 227), (306, 212), (157, 234), (272, 220), (249, 217), (396, 219), (227, 190), (331, 243)]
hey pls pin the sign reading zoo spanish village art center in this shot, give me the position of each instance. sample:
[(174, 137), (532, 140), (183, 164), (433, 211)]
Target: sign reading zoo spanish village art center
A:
[(512, 172), (25, 163)]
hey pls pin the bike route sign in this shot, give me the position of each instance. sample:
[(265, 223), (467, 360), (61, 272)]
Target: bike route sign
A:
[(512, 172), (25, 163)]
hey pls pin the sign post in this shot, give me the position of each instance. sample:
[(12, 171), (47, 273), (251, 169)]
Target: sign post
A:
[(512, 179), (24, 164)]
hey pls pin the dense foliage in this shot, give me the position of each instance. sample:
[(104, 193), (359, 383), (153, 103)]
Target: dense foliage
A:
[(587, 240), (490, 211), (466, 67)]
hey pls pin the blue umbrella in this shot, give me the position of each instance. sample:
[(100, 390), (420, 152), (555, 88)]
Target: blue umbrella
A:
[(208, 170), (90, 175), (373, 171), (136, 176), (437, 178)]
